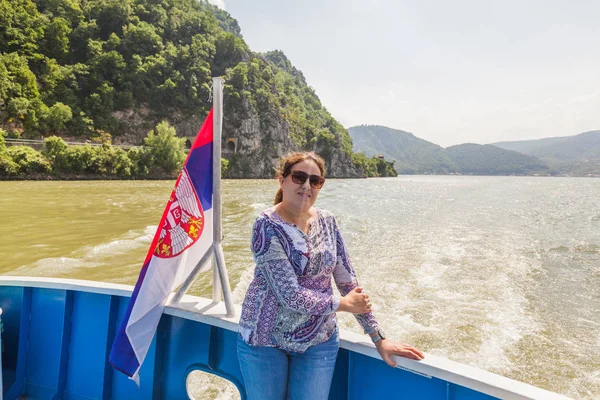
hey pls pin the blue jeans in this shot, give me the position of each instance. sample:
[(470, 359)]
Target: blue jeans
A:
[(274, 374)]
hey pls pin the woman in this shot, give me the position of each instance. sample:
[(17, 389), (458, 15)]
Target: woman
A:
[(288, 340)]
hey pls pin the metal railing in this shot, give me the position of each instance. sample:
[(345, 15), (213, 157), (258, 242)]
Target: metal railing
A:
[(30, 142)]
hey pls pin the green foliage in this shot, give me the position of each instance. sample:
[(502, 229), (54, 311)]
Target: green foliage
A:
[(384, 168), (18, 106), (140, 39), (73, 67), (111, 16), (364, 163), (21, 26), (11, 134), (28, 160), (56, 151), (70, 10), (224, 166), (166, 151), (58, 116), (81, 125), (163, 156), (374, 166), (140, 161), (20, 95), (102, 160), (56, 39), (98, 57), (102, 137), (7, 166), (226, 22), (229, 49)]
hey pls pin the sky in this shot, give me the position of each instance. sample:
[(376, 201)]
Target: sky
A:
[(450, 72)]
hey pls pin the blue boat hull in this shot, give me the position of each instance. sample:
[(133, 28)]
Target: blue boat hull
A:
[(58, 334)]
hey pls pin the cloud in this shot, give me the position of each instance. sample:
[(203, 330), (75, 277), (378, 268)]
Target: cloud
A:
[(218, 3)]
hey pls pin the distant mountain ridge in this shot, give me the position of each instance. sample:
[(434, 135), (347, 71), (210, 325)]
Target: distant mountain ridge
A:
[(527, 146), (569, 155), (578, 154), (477, 159)]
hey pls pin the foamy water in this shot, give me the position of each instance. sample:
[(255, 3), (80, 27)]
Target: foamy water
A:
[(499, 273), (468, 268)]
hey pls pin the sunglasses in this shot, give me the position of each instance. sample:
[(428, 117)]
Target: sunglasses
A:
[(316, 181)]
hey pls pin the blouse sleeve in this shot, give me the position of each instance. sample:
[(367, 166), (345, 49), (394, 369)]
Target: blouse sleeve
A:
[(345, 279), (272, 261)]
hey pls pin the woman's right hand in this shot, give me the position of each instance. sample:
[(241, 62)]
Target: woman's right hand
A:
[(355, 302)]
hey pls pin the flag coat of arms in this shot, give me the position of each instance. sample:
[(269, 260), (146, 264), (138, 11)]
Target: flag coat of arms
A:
[(183, 236)]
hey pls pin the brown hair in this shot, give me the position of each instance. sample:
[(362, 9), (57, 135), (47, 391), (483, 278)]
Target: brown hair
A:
[(289, 160)]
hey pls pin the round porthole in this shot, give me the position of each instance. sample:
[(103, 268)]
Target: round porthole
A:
[(204, 386)]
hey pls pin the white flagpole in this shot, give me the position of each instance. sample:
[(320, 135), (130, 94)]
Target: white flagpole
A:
[(217, 206), (220, 278)]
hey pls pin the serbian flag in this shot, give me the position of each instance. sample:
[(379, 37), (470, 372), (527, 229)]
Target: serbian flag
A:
[(184, 234)]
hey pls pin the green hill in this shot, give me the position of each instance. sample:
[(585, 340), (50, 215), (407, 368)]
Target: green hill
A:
[(479, 159), (84, 68), (410, 154)]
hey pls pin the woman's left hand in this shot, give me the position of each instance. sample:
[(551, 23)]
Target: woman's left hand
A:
[(387, 348)]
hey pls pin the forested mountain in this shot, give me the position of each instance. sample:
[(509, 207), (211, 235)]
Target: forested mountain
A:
[(571, 155), (486, 159), (411, 154), (87, 68)]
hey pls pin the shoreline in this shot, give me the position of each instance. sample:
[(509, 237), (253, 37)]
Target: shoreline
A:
[(76, 177)]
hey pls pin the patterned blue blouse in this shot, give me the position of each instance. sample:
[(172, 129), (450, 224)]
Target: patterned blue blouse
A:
[(290, 302)]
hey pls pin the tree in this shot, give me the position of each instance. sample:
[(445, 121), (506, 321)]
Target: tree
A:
[(111, 16), (165, 149), (56, 39), (58, 117), (21, 26), (20, 80), (140, 39), (230, 50), (67, 9), (56, 151)]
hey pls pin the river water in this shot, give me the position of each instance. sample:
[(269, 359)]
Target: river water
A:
[(502, 273)]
